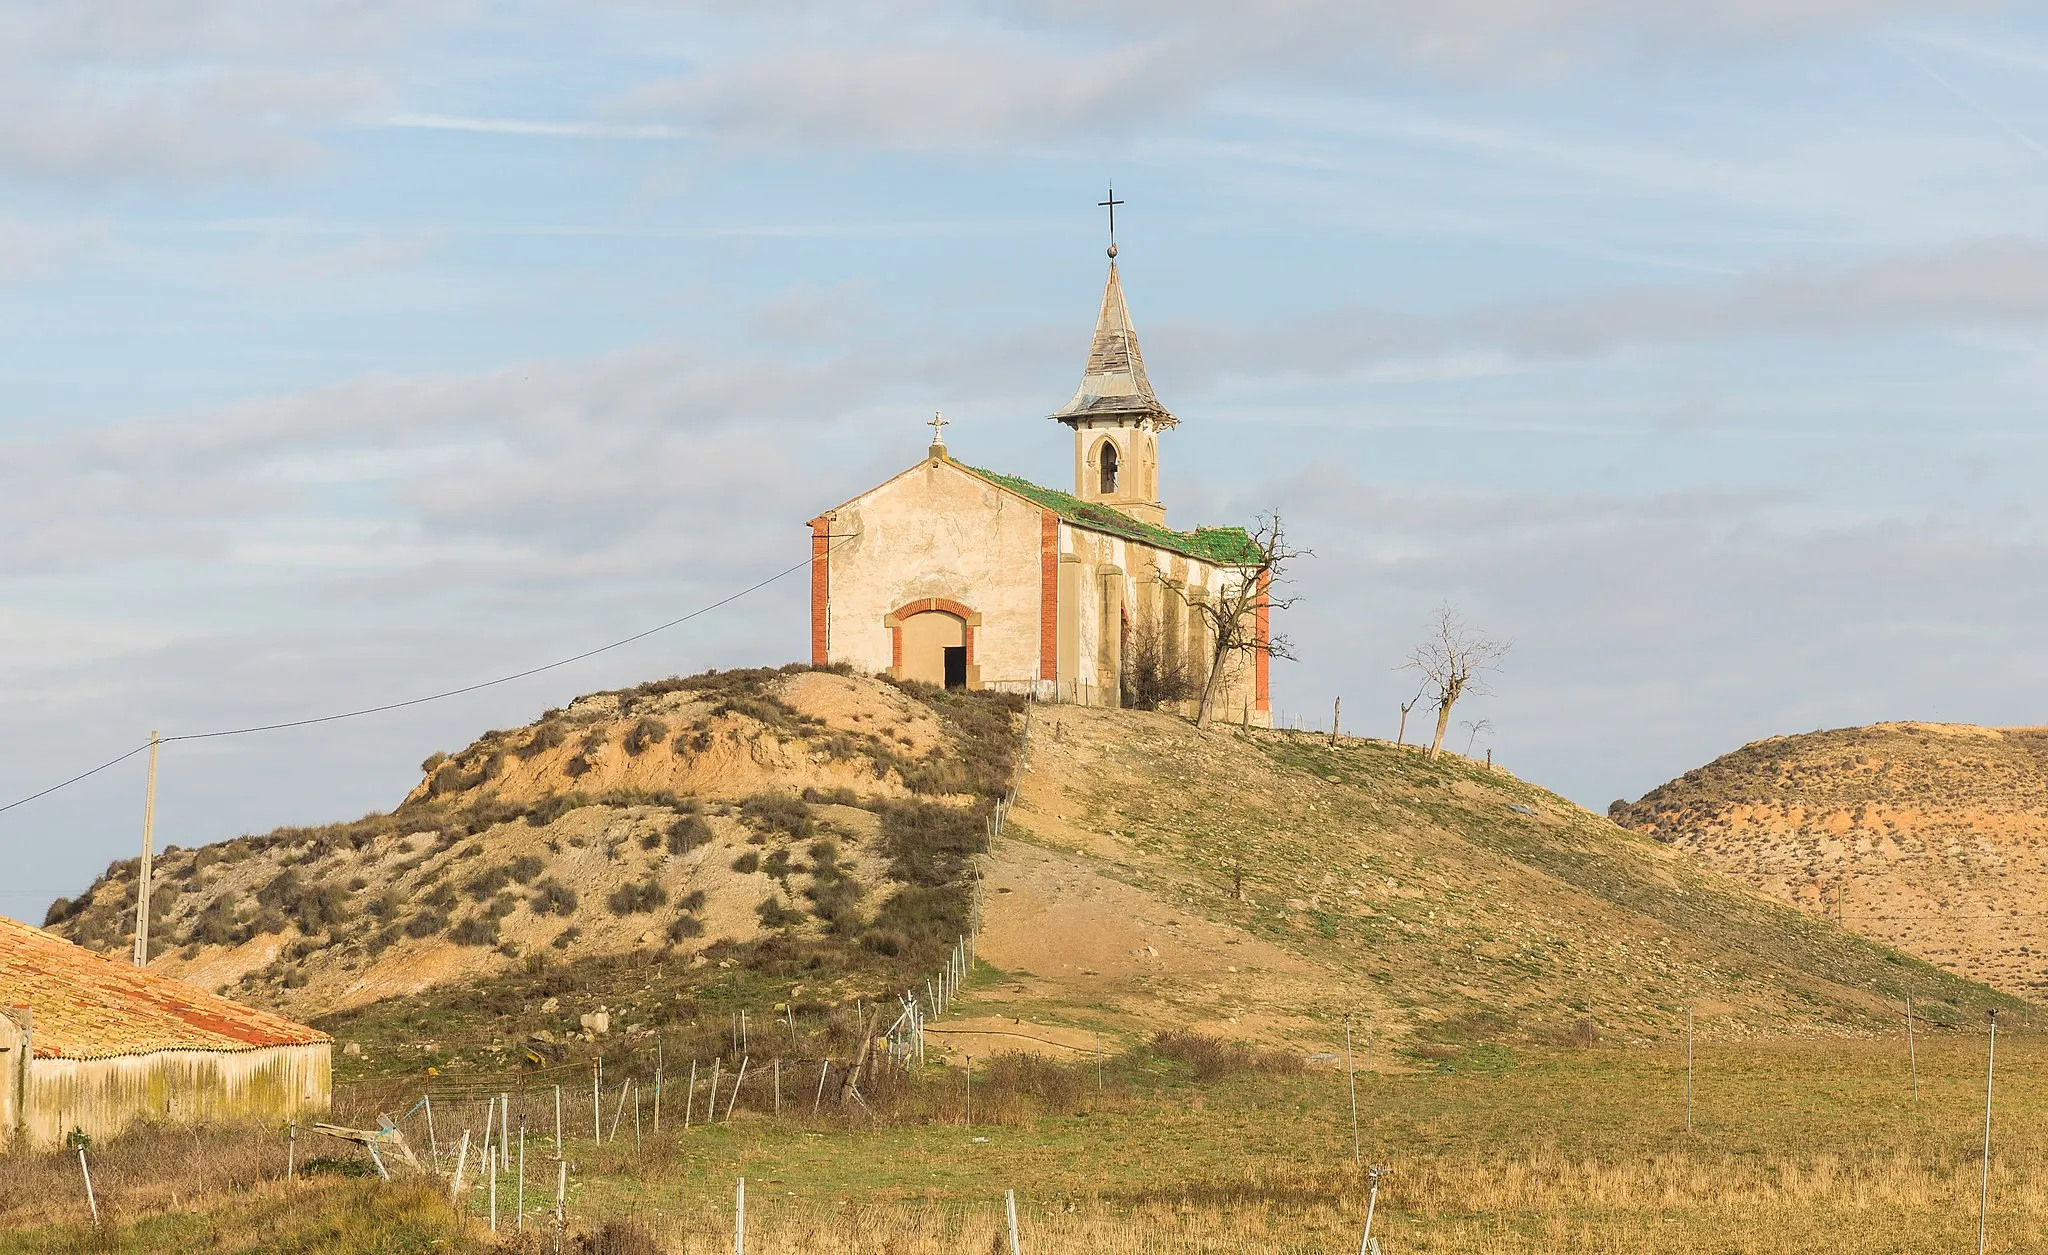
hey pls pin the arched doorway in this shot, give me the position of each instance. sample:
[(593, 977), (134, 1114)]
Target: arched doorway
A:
[(935, 649), (933, 643)]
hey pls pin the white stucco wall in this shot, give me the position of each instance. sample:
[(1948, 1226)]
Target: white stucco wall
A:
[(1138, 571), (937, 531)]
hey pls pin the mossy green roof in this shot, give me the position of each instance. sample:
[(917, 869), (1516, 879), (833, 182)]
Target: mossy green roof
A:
[(1223, 546)]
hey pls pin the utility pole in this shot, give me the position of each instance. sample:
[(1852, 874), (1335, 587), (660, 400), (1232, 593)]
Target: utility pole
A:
[(148, 848)]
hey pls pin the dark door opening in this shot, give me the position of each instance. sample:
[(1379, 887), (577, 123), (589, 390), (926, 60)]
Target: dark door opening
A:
[(956, 666)]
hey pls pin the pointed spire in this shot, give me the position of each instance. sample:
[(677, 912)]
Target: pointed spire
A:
[(1114, 386)]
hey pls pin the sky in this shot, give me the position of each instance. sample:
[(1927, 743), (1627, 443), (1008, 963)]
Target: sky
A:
[(355, 350)]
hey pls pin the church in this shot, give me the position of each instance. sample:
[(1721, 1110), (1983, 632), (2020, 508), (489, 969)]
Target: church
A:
[(957, 576)]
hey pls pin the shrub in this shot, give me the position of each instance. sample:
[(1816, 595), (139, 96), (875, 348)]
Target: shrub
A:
[(1213, 1058), (693, 901), (548, 735), (885, 941), (833, 898), (477, 930), (774, 813), (552, 897), (687, 833), (544, 813), (645, 735), (426, 923), (488, 881), (747, 864), (777, 864), (60, 910), (566, 938), (433, 763), (775, 915), (637, 899), (1152, 676), (683, 927), (524, 868), (215, 926)]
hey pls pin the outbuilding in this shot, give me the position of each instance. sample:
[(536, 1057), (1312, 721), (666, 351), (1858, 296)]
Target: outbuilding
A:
[(93, 1044)]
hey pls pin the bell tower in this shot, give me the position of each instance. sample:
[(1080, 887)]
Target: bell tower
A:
[(1115, 416)]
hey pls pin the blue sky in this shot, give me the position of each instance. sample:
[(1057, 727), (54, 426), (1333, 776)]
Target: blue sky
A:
[(359, 350)]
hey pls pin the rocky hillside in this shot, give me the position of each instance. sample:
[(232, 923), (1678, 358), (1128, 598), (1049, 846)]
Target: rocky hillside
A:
[(1929, 837), (683, 818), (1265, 884)]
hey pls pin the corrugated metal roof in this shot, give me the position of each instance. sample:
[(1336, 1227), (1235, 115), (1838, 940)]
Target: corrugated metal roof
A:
[(88, 1006)]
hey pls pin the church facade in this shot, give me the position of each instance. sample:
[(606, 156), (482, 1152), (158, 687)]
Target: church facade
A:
[(957, 576)]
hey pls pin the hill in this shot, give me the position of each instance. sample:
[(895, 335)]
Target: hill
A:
[(1264, 884), (1929, 837), (694, 818), (802, 839)]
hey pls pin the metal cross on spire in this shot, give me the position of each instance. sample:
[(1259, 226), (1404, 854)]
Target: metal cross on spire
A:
[(1111, 205)]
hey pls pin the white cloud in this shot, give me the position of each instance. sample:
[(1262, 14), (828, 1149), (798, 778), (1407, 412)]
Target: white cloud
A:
[(1970, 284), (97, 91), (958, 76)]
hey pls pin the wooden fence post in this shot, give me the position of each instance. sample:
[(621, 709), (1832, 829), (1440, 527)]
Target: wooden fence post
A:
[(735, 1090), (1010, 1207), (1351, 1078), (90, 1201), (1984, 1183), (739, 1219)]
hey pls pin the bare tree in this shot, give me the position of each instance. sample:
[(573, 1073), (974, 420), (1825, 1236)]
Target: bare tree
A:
[(1401, 734), (1232, 615), (1451, 663), (1482, 728)]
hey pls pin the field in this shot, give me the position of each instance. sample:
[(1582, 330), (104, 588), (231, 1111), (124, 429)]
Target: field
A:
[(1795, 1146)]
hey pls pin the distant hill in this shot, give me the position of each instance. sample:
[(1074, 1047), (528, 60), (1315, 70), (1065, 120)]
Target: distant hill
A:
[(1933, 835)]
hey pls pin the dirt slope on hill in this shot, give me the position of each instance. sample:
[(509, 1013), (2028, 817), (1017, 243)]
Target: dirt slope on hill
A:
[(1929, 837), (1443, 903), (670, 819)]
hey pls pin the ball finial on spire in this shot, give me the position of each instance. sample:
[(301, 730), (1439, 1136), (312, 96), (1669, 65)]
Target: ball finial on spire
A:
[(1111, 205)]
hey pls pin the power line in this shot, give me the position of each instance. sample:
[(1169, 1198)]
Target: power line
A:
[(433, 697)]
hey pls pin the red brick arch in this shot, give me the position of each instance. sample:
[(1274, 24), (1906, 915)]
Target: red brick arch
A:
[(944, 605)]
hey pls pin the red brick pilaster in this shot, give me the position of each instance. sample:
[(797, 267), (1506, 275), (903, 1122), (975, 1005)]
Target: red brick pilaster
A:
[(821, 591), (1049, 596), (1262, 693)]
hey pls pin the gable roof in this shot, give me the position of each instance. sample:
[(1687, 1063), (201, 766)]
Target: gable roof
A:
[(88, 1006), (1113, 385), (1220, 546)]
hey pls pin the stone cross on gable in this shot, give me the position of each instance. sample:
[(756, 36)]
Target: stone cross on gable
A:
[(938, 424)]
